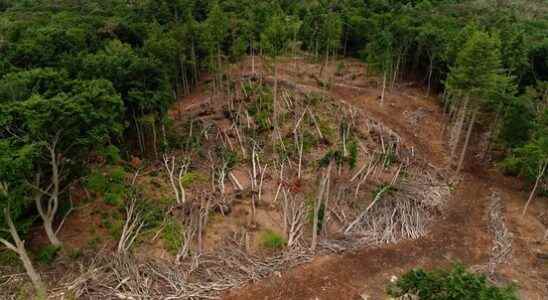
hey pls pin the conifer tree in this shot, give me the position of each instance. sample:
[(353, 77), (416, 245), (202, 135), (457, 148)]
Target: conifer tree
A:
[(474, 77)]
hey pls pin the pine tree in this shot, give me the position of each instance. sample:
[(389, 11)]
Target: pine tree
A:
[(474, 77)]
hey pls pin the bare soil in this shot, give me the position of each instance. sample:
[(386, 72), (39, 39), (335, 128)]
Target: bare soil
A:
[(460, 235)]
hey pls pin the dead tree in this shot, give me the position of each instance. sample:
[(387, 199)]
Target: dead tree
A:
[(132, 227), (457, 129), (467, 139), (318, 205), (175, 174), (540, 173), (18, 246), (378, 196), (257, 178), (293, 213)]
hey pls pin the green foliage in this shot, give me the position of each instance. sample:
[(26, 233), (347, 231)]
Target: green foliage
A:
[(193, 177), (477, 67), (271, 240), (9, 258), (228, 157), (454, 284), (110, 153), (382, 189), (276, 36), (108, 183), (261, 106), (172, 236), (353, 153), (47, 254)]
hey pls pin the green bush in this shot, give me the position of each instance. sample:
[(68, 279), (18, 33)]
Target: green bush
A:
[(9, 258), (110, 153), (172, 236), (272, 240), (454, 284), (110, 184), (191, 177), (47, 254), (352, 153)]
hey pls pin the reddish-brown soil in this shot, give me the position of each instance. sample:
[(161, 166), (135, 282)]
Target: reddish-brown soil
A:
[(460, 234)]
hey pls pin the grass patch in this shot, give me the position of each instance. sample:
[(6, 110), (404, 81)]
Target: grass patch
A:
[(193, 177), (271, 240)]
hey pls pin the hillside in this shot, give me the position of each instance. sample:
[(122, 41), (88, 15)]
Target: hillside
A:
[(239, 149)]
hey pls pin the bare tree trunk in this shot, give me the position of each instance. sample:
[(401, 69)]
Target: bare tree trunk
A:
[(541, 171), (467, 139), (318, 205), (20, 250), (194, 63), (383, 87), (459, 124), (275, 100), (430, 74), (396, 71), (47, 214), (252, 58)]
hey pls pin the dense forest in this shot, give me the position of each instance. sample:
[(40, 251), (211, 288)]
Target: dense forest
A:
[(85, 81)]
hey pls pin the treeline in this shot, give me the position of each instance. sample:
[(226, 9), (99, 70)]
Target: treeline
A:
[(77, 77)]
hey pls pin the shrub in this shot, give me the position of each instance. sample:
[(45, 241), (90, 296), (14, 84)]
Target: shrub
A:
[(110, 153), (272, 240), (353, 154), (109, 184), (47, 254), (172, 236), (191, 177), (454, 284)]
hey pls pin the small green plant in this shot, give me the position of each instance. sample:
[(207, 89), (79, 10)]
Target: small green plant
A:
[(109, 183), (382, 189), (352, 153), (271, 240), (454, 284), (9, 258), (172, 236), (331, 155), (229, 157), (191, 177), (110, 153), (47, 254)]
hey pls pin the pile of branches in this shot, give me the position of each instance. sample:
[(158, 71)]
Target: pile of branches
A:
[(501, 251), (198, 277), (404, 211)]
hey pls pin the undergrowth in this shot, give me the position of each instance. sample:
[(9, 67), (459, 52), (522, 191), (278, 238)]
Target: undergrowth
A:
[(454, 284), (271, 240)]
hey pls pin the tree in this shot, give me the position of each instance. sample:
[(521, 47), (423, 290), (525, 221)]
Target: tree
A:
[(474, 77), (274, 40), (214, 31), (379, 56), (531, 159), (61, 128), (331, 33), (18, 246)]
